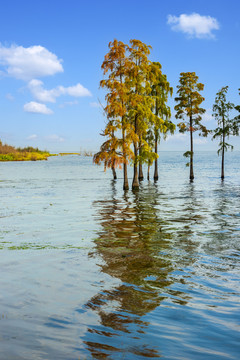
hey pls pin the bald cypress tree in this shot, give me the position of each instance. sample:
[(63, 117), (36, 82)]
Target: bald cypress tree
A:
[(236, 120), (189, 111), (116, 67), (160, 90), (140, 104), (226, 126)]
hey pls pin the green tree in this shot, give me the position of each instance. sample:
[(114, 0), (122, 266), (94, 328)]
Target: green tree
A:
[(226, 127), (140, 102), (189, 111), (160, 90), (236, 120)]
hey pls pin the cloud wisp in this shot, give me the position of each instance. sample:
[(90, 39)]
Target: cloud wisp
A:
[(32, 137), (95, 104), (10, 97), (177, 137), (68, 103), (194, 25), (54, 138), (39, 93), (37, 108)]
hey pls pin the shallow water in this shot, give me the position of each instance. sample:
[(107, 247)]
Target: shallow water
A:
[(91, 272)]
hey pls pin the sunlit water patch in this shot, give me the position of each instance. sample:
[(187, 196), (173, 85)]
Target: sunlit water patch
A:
[(91, 272)]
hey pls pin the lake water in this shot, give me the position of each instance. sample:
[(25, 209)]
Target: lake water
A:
[(91, 272)]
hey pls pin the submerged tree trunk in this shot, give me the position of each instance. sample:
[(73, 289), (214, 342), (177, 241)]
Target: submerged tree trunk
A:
[(222, 170), (114, 161), (140, 170), (223, 151), (125, 177), (140, 176), (135, 183), (191, 154), (156, 160), (114, 172), (148, 171)]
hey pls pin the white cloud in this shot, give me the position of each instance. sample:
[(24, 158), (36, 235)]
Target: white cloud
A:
[(54, 138), (29, 63), (194, 25), (37, 108), (68, 103), (77, 91), (44, 95), (95, 105), (207, 116), (32, 137)]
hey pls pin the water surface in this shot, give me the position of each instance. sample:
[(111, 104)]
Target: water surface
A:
[(91, 272)]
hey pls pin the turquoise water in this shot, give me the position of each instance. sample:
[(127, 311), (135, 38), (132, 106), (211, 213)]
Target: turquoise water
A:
[(91, 272)]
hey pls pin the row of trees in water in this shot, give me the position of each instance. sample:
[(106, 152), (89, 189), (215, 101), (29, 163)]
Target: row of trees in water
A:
[(138, 116)]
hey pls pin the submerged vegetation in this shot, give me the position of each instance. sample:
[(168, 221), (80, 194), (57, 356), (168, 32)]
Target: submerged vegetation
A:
[(10, 153), (138, 116)]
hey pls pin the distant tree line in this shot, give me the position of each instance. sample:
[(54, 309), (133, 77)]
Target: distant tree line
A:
[(138, 116)]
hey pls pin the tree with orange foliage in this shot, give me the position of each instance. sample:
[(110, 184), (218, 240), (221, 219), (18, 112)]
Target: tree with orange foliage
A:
[(108, 150), (131, 108), (116, 66)]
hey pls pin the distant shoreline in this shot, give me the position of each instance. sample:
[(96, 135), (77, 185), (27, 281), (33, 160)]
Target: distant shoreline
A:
[(10, 153), (84, 153)]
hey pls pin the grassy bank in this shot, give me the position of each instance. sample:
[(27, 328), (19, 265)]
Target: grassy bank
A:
[(10, 153)]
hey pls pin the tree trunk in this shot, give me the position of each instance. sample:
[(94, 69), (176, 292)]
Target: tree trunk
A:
[(140, 170), (114, 172), (156, 160), (140, 176), (125, 177), (148, 171), (191, 154), (223, 151), (135, 183), (114, 162), (222, 170)]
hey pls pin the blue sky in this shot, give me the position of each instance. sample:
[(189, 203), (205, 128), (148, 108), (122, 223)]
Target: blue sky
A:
[(51, 54)]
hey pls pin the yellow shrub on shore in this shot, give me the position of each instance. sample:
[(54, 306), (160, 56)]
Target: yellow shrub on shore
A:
[(10, 153)]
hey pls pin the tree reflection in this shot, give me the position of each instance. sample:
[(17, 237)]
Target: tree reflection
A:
[(190, 219), (130, 241), (225, 220)]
